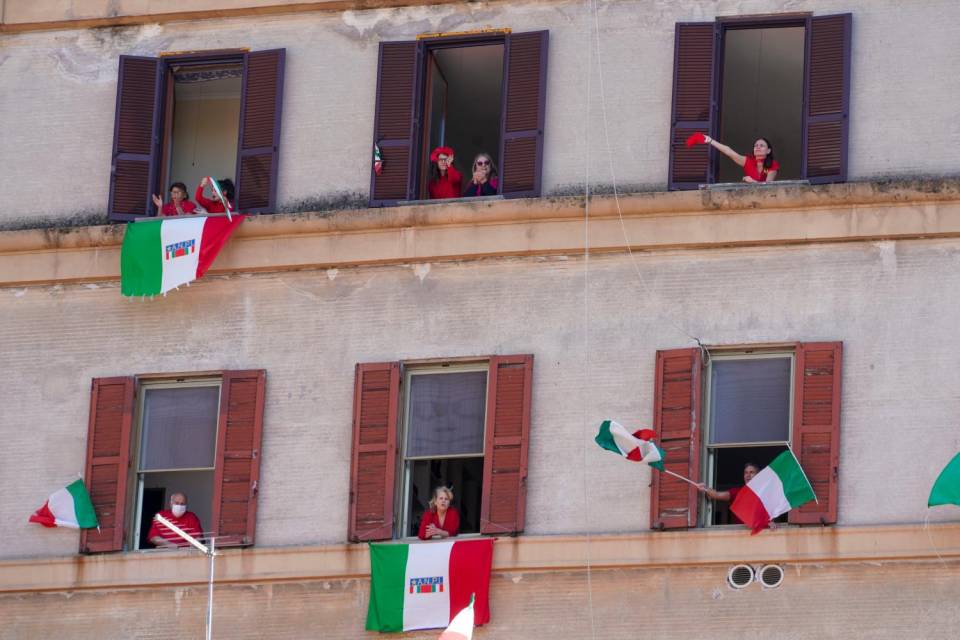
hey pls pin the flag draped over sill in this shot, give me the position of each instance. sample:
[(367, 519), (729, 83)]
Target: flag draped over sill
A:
[(160, 255), (780, 487), (946, 490), (423, 585), (67, 507)]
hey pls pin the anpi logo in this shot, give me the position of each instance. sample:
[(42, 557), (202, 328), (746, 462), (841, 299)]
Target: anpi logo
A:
[(426, 585), (177, 249)]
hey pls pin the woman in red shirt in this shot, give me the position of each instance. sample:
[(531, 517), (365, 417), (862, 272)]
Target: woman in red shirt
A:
[(446, 180), (760, 167), (441, 520), (178, 205), (215, 206)]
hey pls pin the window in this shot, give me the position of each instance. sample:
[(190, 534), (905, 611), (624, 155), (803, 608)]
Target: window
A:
[(182, 117), (151, 437), (480, 92), (463, 423), (745, 406), (783, 78)]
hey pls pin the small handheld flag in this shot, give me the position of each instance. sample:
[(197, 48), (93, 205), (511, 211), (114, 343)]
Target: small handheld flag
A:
[(946, 490), (377, 160), (696, 138), (636, 446), (222, 198), (461, 627)]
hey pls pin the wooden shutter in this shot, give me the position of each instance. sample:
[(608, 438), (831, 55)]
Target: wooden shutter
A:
[(676, 419), (509, 386), (237, 468), (524, 104), (261, 104), (827, 98), (694, 103), (136, 141), (373, 463), (816, 427), (395, 125), (108, 458)]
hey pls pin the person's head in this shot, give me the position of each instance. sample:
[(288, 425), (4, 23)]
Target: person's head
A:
[(749, 470), (442, 497), (178, 192), (441, 159), (484, 163), (226, 185), (763, 150), (178, 503)]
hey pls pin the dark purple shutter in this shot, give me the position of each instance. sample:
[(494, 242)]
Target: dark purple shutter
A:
[(524, 106), (261, 104), (694, 103), (827, 98), (395, 125), (136, 142)]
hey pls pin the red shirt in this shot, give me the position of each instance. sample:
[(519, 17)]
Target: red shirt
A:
[(170, 209), (451, 522), (212, 206), (750, 169), (447, 186), (189, 522)]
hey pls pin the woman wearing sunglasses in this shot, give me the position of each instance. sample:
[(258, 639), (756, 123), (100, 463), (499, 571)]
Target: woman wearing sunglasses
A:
[(484, 182)]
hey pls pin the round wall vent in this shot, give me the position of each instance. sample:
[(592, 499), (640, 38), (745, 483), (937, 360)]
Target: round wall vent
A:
[(740, 576), (770, 576)]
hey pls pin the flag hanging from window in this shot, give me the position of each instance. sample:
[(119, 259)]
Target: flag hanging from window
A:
[(637, 446), (377, 160), (68, 507), (424, 585), (160, 255), (780, 487)]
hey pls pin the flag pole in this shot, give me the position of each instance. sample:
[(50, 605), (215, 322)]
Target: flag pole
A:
[(797, 460), (677, 475)]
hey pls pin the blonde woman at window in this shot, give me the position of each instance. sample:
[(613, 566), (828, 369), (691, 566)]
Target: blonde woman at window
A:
[(762, 166), (484, 182), (441, 520)]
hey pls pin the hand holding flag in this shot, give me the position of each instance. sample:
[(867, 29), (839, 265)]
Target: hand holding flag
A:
[(696, 138)]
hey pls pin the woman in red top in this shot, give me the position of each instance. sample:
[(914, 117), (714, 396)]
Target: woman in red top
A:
[(441, 520), (215, 206), (178, 205), (446, 180), (760, 167)]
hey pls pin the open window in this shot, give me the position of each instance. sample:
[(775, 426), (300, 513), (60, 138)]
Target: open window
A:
[(459, 424), (182, 117), (472, 92), (153, 437), (739, 406), (783, 78)]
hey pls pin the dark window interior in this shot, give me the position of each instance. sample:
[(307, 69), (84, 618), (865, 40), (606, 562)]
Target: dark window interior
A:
[(762, 96)]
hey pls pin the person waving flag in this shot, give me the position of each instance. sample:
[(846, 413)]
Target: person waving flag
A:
[(781, 486)]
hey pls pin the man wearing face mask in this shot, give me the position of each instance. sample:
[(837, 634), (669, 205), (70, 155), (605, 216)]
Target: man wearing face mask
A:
[(162, 536)]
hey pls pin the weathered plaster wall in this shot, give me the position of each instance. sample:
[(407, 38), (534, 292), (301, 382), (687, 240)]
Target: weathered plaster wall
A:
[(890, 302), (57, 94)]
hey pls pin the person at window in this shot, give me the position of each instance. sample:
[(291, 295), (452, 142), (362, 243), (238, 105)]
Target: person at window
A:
[(750, 469), (178, 205), (484, 181), (762, 166), (441, 520), (215, 206), (162, 536), (445, 180)]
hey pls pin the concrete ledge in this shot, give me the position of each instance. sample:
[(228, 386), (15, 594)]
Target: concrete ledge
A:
[(774, 215), (792, 545)]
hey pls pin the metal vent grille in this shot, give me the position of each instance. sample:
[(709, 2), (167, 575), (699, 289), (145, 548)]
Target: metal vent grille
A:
[(770, 576), (740, 576)]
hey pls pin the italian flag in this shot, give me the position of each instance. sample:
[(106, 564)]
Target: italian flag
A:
[(778, 488), (636, 446), (424, 585), (160, 255), (68, 507), (461, 627)]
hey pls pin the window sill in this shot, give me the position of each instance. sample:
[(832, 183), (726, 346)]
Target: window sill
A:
[(736, 186)]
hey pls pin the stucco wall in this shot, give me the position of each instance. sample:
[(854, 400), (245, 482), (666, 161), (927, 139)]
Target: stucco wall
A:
[(57, 93), (889, 302)]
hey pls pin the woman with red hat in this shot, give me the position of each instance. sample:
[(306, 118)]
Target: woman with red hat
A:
[(446, 180)]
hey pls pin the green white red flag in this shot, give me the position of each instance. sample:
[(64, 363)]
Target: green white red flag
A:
[(68, 507), (423, 585), (778, 488), (160, 255), (946, 490), (637, 446)]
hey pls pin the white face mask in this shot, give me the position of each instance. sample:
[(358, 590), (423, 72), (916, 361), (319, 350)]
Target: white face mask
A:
[(179, 509)]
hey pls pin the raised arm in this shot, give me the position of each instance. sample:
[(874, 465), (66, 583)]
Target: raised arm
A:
[(725, 150), (719, 496)]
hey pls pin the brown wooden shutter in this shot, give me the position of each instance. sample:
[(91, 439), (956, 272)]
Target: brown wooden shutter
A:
[(524, 106), (136, 141), (237, 469), (816, 427), (373, 463), (108, 459), (261, 104), (509, 391), (676, 419), (827, 98), (694, 103), (395, 125)]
